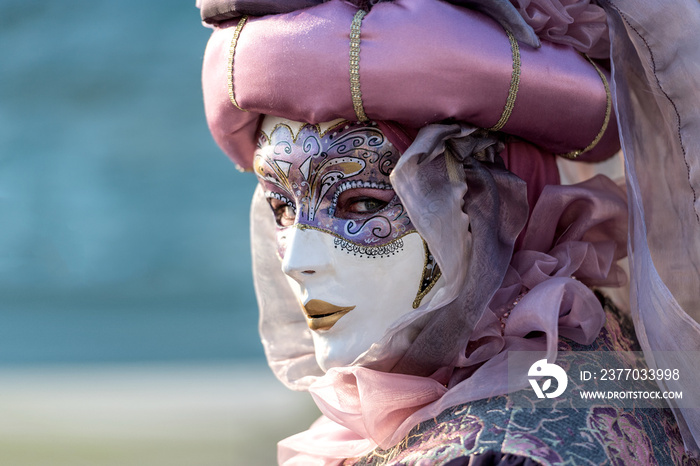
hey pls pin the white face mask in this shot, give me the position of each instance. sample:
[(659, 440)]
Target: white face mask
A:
[(358, 297), (352, 257)]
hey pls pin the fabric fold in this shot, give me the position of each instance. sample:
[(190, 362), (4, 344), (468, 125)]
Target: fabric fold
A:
[(656, 83), (580, 24)]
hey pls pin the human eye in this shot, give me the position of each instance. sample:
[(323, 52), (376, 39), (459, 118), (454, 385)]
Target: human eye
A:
[(354, 203), (363, 205), (283, 210)]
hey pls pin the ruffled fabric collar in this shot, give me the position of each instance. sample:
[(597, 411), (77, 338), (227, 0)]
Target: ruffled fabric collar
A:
[(575, 236)]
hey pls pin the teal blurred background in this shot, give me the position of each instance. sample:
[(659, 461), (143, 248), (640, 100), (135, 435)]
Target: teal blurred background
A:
[(124, 249), (124, 230)]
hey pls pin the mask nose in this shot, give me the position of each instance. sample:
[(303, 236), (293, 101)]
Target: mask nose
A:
[(306, 255)]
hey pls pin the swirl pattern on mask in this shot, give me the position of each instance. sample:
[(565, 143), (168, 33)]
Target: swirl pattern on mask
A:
[(311, 172)]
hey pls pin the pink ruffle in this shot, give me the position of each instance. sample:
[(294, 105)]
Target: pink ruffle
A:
[(577, 23), (575, 236)]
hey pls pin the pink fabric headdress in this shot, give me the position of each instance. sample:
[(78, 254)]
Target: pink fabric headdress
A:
[(471, 51)]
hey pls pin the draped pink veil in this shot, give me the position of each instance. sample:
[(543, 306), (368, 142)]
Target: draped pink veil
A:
[(656, 84)]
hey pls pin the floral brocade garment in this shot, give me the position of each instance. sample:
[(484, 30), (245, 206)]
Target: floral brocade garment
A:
[(499, 431)]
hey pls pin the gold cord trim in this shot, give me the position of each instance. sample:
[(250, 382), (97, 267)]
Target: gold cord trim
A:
[(608, 111), (514, 84), (231, 52), (355, 91)]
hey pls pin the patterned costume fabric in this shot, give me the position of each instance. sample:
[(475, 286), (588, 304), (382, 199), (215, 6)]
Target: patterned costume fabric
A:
[(489, 429)]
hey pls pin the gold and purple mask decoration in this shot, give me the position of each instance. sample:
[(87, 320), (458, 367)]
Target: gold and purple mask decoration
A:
[(347, 247), (333, 178)]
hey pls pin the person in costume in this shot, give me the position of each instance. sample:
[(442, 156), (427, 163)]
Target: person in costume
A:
[(411, 232)]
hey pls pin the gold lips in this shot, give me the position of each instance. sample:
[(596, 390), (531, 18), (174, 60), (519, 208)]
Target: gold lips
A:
[(321, 315)]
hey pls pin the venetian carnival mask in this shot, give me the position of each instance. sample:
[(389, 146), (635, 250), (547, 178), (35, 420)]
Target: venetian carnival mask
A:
[(347, 247)]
